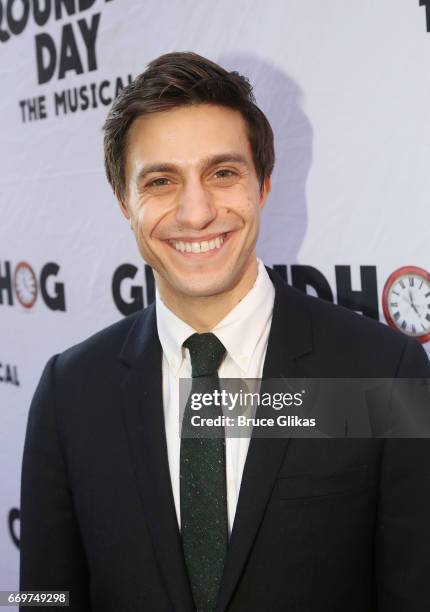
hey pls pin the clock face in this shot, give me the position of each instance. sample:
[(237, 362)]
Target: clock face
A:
[(25, 284), (406, 302)]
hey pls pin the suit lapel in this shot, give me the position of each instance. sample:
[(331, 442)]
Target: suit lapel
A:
[(142, 409), (290, 337)]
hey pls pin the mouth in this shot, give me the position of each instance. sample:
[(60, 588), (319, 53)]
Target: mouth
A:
[(201, 249)]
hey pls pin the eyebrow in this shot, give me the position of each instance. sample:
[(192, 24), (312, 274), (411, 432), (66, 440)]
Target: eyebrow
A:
[(214, 160)]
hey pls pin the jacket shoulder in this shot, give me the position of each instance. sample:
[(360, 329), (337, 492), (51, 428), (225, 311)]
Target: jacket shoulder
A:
[(345, 322), (365, 346), (102, 347)]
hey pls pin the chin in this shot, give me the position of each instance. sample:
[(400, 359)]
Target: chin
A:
[(203, 288)]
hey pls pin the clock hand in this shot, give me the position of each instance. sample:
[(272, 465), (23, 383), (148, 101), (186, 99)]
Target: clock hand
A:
[(411, 297)]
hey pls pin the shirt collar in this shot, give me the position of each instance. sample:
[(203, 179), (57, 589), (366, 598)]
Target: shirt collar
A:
[(239, 331)]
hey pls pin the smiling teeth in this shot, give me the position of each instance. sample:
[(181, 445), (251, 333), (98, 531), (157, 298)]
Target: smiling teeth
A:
[(199, 247)]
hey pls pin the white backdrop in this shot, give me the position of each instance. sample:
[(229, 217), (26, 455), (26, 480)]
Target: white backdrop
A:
[(346, 86)]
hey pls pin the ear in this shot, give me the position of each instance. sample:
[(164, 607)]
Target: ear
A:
[(264, 194)]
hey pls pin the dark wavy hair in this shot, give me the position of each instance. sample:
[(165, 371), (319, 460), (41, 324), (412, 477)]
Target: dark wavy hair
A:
[(180, 79)]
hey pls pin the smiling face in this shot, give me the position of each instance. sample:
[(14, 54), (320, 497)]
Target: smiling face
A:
[(193, 198)]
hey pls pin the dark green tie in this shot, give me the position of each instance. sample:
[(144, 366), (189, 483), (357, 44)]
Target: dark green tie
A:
[(203, 490)]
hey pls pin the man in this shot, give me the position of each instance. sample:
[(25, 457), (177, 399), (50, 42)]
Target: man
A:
[(125, 515)]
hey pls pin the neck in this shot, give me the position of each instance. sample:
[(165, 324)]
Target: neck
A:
[(202, 313)]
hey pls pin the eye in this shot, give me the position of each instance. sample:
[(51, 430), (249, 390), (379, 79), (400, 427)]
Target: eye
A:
[(158, 182), (224, 173)]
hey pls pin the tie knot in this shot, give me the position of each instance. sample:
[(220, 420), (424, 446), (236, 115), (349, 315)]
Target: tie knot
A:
[(206, 353)]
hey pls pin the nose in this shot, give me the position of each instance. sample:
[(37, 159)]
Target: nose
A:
[(195, 209)]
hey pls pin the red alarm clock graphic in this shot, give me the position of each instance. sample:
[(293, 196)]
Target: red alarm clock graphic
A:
[(406, 302), (25, 283)]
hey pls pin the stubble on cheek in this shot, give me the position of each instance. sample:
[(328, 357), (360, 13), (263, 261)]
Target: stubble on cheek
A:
[(137, 221), (150, 247)]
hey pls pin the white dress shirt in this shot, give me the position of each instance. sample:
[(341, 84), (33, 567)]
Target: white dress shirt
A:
[(244, 332)]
